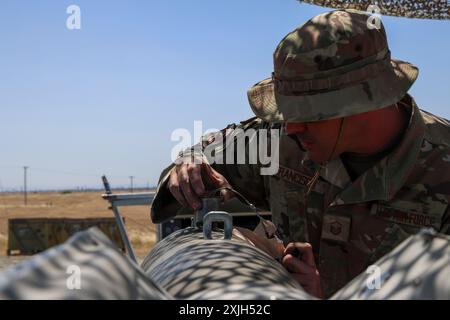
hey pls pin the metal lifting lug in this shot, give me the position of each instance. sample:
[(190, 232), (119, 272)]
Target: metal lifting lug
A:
[(208, 205), (215, 216)]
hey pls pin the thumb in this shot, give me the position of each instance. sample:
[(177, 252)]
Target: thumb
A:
[(214, 180), (226, 194)]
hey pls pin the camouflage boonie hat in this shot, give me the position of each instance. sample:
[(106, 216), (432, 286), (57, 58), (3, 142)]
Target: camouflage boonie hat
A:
[(333, 66)]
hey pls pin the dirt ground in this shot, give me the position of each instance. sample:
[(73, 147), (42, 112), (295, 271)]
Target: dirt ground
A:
[(141, 230)]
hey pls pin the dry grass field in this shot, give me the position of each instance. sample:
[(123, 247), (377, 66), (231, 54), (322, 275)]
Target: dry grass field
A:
[(75, 205)]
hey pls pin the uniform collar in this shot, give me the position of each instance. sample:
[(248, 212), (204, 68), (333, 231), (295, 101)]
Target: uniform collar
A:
[(382, 181)]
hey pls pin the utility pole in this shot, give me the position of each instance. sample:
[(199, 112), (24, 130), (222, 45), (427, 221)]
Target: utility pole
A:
[(25, 168), (131, 180)]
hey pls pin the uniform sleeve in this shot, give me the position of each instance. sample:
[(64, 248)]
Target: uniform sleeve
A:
[(231, 152)]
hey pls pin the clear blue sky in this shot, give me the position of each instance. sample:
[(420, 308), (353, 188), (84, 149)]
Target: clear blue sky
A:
[(106, 98)]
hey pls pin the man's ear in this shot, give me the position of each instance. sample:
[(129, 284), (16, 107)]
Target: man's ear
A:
[(358, 123)]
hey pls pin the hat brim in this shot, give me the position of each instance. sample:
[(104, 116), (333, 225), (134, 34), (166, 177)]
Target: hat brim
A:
[(387, 88)]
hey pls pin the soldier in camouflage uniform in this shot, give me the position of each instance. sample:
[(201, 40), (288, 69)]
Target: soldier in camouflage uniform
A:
[(350, 207)]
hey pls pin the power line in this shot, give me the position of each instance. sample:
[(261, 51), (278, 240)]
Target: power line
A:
[(58, 172), (25, 168), (68, 173), (4, 201), (131, 188)]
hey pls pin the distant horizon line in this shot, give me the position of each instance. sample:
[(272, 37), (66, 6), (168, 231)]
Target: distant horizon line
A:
[(77, 189)]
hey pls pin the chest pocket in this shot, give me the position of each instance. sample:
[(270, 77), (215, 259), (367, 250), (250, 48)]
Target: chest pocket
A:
[(295, 211), (295, 220), (403, 219), (305, 218), (286, 207)]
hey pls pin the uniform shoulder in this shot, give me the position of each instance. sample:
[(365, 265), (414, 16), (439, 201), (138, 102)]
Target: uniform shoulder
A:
[(437, 129), (255, 123), (245, 127)]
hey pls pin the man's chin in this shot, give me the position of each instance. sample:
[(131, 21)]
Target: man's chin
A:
[(318, 158)]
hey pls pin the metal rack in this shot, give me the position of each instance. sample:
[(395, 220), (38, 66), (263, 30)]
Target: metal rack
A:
[(122, 200)]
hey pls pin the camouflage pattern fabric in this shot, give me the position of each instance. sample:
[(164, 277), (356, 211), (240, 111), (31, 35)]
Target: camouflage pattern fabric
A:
[(335, 66), (332, 66), (423, 9), (103, 272), (349, 224), (417, 269), (188, 266)]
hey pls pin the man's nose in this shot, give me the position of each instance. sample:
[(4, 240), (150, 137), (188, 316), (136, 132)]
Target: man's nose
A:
[(295, 128)]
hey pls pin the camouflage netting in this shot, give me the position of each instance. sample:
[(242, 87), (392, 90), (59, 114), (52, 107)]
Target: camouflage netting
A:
[(423, 9)]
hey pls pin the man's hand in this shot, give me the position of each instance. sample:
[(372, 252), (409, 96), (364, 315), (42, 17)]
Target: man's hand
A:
[(188, 182), (299, 261)]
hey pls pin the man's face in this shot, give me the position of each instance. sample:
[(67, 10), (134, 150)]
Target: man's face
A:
[(317, 138)]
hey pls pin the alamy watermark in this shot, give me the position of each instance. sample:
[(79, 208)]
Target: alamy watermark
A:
[(73, 281), (374, 21), (230, 146), (374, 280), (73, 21)]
